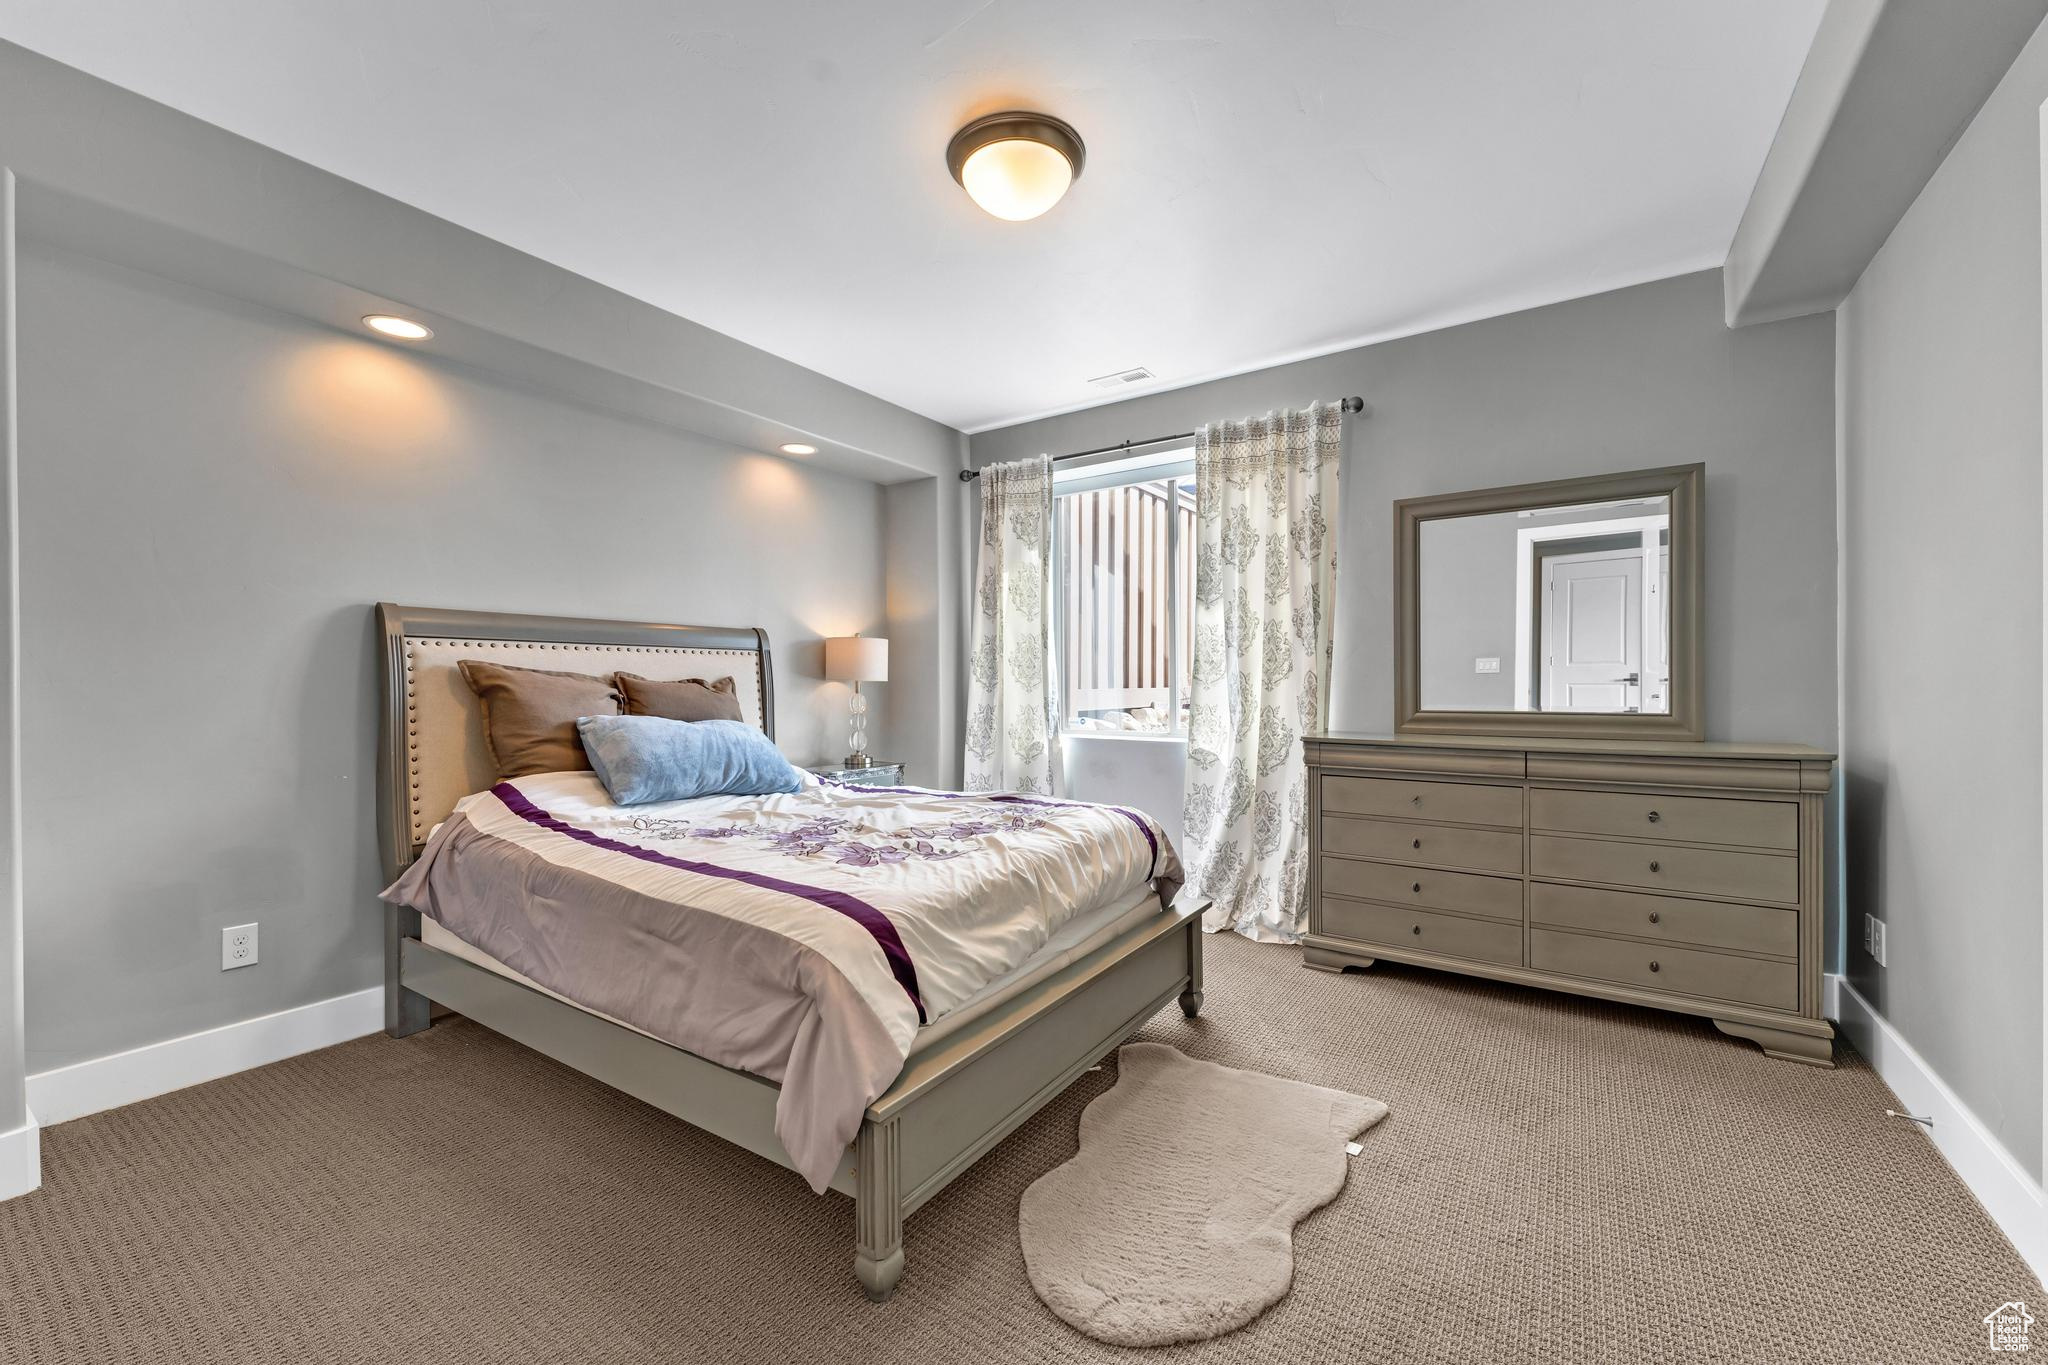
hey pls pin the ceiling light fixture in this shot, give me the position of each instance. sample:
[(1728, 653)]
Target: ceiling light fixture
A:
[(404, 329), (799, 448), (1016, 165)]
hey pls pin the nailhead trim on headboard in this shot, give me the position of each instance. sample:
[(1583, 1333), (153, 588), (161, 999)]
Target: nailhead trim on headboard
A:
[(420, 822)]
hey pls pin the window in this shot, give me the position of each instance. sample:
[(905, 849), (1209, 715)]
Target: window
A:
[(1124, 578)]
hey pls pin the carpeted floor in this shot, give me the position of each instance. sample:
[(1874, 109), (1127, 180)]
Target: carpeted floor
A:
[(1560, 1181)]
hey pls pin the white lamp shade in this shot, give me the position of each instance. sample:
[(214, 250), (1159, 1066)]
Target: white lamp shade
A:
[(856, 658)]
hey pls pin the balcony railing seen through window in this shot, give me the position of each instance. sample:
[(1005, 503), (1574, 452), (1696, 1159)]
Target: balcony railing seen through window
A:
[(1126, 591)]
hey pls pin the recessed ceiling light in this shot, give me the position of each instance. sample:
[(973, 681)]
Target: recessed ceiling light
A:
[(405, 329), (1016, 165), (799, 448)]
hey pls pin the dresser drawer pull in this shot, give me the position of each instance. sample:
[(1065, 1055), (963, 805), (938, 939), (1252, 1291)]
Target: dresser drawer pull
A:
[(1415, 801), (1417, 888), (1655, 967), (1418, 843), (1654, 817), (1418, 928), (1655, 917), (1655, 866)]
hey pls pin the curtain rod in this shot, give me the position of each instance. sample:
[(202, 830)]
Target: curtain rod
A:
[(1351, 405)]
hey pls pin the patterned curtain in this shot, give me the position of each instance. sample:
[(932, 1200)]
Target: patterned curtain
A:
[(1012, 698), (1265, 585)]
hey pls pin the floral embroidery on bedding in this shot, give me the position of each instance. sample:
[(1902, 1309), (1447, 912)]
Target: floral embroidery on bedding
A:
[(837, 838)]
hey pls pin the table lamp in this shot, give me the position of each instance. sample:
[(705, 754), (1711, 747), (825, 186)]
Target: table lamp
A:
[(857, 659)]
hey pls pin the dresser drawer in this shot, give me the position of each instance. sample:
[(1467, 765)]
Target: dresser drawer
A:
[(1458, 803), (1476, 940), (1711, 924), (1482, 850), (1661, 967), (1667, 867), (1679, 819), (1500, 897)]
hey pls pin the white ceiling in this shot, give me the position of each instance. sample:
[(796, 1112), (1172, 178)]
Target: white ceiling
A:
[(1264, 180)]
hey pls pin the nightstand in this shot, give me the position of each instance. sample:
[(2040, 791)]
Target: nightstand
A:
[(874, 775)]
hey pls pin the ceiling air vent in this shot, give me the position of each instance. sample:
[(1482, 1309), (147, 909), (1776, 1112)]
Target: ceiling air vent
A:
[(1121, 378)]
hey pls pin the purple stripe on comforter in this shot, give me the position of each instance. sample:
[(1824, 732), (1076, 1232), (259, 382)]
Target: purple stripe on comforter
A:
[(738, 994), (1144, 825), (859, 911)]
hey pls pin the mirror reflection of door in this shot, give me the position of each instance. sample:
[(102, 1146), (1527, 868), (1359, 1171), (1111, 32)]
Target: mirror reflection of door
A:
[(1602, 635), (1591, 632), (1547, 608)]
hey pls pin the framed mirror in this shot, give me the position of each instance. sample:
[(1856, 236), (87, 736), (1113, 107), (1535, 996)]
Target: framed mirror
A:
[(1569, 608)]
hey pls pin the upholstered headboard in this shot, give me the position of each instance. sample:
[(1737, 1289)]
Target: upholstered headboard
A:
[(431, 750)]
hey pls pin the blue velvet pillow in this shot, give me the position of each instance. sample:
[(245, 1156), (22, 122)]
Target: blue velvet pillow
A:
[(648, 758)]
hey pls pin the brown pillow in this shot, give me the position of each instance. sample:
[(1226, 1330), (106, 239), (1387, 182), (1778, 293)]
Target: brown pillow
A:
[(688, 699), (530, 715)]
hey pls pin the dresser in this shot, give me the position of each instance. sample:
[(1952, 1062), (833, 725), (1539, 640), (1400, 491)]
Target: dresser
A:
[(1681, 876)]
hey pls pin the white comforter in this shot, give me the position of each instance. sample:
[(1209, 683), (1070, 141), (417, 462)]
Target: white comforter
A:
[(803, 937)]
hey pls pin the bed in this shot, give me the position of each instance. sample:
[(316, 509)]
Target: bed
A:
[(990, 1060)]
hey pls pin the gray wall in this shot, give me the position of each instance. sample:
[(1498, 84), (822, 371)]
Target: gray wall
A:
[(927, 665), (222, 462), (1639, 377), (122, 177), (1468, 605), (216, 494), (1941, 647)]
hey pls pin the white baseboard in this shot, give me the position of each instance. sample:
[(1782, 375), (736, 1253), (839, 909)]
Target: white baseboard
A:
[(2011, 1196), (71, 1092), (21, 1159)]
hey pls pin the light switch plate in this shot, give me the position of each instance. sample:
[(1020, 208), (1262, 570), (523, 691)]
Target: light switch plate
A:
[(1486, 665)]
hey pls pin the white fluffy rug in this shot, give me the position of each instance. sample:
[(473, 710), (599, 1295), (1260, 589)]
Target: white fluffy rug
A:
[(1175, 1220)]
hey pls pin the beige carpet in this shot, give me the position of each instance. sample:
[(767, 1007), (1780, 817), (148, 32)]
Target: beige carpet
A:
[(1175, 1220), (1560, 1181)]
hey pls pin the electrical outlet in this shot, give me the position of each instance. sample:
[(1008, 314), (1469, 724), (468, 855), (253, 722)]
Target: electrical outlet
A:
[(1875, 932), (237, 946), (1486, 665)]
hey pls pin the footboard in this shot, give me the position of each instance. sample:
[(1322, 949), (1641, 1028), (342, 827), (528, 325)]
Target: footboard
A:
[(949, 1106), (968, 1093)]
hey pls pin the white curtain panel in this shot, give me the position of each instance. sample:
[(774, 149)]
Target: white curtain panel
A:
[(1012, 696), (1265, 586)]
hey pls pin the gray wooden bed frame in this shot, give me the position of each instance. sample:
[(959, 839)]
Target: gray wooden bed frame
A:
[(953, 1101)]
